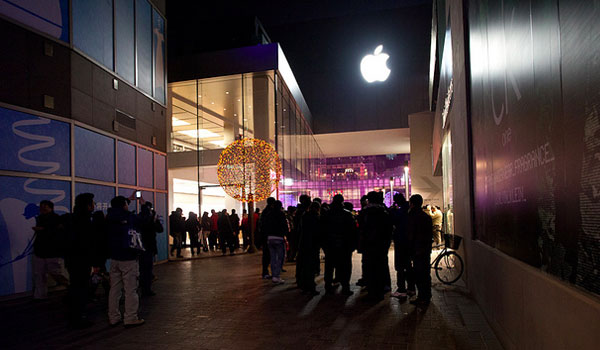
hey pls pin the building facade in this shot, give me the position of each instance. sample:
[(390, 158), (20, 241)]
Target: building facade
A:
[(82, 109), (515, 137), (217, 98)]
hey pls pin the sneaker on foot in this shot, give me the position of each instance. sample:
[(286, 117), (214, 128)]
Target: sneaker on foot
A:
[(277, 280), (266, 277), (138, 322), (400, 295)]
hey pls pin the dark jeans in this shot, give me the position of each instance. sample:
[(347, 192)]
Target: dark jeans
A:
[(194, 243), (177, 237), (423, 276), (341, 262), (404, 269), (146, 265), (79, 286), (226, 239), (212, 239), (377, 271)]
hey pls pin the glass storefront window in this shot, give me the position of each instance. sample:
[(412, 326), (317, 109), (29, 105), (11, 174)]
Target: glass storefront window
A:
[(448, 209)]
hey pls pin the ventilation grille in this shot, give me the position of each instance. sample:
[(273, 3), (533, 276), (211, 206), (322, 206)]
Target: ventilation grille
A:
[(125, 120)]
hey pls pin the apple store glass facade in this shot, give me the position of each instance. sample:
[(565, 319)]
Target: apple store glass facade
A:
[(354, 177), (209, 114)]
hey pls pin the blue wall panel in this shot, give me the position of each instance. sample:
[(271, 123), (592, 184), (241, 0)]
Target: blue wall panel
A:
[(94, 155), (158, 43), (145, 168), (48, 16), (161, 238), (93, 29), (126, 154), (125, 40), (143, 25), (160, 171), (33, 144)]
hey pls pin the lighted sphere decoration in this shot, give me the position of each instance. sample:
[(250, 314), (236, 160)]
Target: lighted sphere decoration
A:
[(249, 170)]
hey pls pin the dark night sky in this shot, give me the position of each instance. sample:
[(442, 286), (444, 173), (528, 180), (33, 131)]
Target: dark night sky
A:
[(324, 42)]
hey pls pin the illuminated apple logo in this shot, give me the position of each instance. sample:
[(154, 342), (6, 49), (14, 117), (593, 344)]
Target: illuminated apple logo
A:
[(374, 67)]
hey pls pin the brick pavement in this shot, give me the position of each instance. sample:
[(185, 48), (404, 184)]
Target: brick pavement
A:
[(221, 303)]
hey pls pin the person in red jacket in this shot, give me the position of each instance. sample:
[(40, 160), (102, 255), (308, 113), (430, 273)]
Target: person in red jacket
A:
[(214, 230)]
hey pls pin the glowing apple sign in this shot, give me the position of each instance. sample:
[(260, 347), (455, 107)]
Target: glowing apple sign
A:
[(374, 67)]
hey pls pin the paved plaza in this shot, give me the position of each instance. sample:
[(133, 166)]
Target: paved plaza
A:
[(222, 303)]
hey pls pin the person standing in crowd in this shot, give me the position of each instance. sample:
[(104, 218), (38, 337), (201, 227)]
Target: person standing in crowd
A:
[(225, 232), (436, 218), (177, 223), (245, 229), (261, 238), (48, 249), (214, 230), (100, 244), (234, 219), (420, 235), (276, 229), (377, 229), (402, 263), (149, 225), (340, 241), (362, 281), (301, 209), (205, 225), (192, 226), (123, 228), (79, 257), (308, 249), (294, 233)]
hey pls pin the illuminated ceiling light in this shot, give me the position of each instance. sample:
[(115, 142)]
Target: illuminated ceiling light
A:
[(239, 100), (177, 122), (288, 181), (224, 109), (199, 134), (212, 103), (218, 143), (234, 114), (374, 67)]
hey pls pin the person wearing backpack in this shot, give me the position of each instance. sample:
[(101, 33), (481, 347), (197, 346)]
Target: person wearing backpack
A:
[(124, 243)]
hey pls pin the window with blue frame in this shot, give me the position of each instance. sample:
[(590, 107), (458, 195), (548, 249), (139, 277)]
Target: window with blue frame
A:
[(143, 25), (48, 16), (125, 39), (94, 155), (93, 29)]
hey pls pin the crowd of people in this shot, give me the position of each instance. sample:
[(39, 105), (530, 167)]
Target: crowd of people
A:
[(338, 231), (84, 240)]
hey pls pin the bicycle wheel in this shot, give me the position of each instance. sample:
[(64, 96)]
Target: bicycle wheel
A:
[(449, 267)]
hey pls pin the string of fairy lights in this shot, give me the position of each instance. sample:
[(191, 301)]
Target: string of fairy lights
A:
[(249, 170)]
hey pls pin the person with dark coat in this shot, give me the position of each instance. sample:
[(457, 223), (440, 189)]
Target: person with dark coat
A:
[(302, 207), (205, 224), (47, 250), (79, 257), (362, 281), (100, 243), (214, 230), (309, 246), (340, 240), (177, 226), (225, 232), (261, 239), (150, 225), (294, 236), (419, 230), (402, 263), (276, 228), (234, 219), (192, 226), (377, 230), (124, 247)]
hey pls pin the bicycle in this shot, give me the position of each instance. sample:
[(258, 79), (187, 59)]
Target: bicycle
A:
[(448, 265)]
